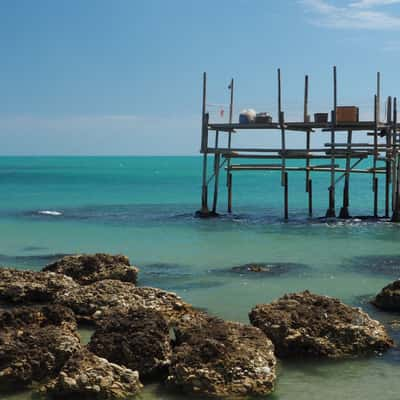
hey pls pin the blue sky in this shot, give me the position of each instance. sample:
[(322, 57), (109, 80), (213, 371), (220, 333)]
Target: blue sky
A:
[(124, 76)]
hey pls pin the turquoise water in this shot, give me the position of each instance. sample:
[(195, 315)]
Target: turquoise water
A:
[(143, 207)]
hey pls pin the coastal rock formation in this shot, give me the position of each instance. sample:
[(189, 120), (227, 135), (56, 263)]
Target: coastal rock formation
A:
[(389, 297), (29, 287), (87, 376), (223, 359), (307, 324), (34, 353), (138, 339), (38, 316), (100, 300), (89, 268)]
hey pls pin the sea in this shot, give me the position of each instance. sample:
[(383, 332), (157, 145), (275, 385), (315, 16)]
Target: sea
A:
[(144, 207)]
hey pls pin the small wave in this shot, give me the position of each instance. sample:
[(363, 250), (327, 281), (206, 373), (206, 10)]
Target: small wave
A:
[(50, 212)]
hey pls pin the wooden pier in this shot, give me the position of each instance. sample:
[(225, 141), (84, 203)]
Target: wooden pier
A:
[(381, 148)]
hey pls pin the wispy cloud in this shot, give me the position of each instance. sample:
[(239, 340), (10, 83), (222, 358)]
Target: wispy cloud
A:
[(361, 14)]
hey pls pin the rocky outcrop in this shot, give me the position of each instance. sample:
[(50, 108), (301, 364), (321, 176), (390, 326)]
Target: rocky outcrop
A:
[(27, 287), (100, 300), (34, 353), (389, 297), (89, 268), (223, 359), (38, 316), (307, 324), (138, 339), (87, 376)]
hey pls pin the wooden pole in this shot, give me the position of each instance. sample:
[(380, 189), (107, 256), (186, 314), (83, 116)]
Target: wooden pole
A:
[(306, 118), (228, 173), (330, 213), (286, 196), (376, 191), (375, 186), (378, 97), (217, 157), (344, 212), (388, 156), (229, 192), (396, 185), (204, 197)]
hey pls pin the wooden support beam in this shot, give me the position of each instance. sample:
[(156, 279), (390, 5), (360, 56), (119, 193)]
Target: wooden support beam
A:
[(217, 158), (286, 193), (204, 193), (310, 198), (344, 212), (229, 192), (330, 212), (396, 178)]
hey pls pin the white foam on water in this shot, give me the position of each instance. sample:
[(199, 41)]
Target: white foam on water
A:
[(50, 212)]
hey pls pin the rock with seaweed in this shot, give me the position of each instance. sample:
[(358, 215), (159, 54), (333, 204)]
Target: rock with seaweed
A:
[(138, 339), (35, 342), (86, 375), (30, 287), (89, 268), (388, 298), (215, 358), (100, 300), (310, 325)]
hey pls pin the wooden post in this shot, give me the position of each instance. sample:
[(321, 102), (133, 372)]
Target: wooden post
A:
[(344, 212), (388, 157), (286, 196), (282, 126), (376, 191), (378, 97), (204, 145), (228, 173), (229, 191), (396, 178), (217, 157), (306, 119), (330, 213)]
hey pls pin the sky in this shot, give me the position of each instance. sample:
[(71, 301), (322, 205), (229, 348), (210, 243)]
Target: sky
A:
[(124, 77)]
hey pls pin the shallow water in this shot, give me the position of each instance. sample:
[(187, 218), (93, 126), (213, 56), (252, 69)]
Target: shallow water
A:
[(143, 207)]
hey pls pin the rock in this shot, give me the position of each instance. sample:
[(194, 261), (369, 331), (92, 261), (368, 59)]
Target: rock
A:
[(39, 316), (89, 268), (223, 359), (388, 265), (34, 353), (86, 375), (307, 324), (389, 297), (100, 300), (138, 339), (29, 287), (269, 269)]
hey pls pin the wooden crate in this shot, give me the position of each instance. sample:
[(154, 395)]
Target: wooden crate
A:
[(347, 114)]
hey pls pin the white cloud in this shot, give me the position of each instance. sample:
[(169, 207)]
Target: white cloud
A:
[(372, 3), (362, 14)]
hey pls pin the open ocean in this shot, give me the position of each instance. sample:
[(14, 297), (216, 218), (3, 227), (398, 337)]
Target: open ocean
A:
[(143, 207)]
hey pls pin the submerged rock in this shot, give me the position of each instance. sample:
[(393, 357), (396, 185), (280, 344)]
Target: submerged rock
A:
[(223, 359), (86, 375), (89, 268), (27, 287), (389, 297), (307, 324), (138, 339), (388, 265), (269, 269), (98, 301)]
